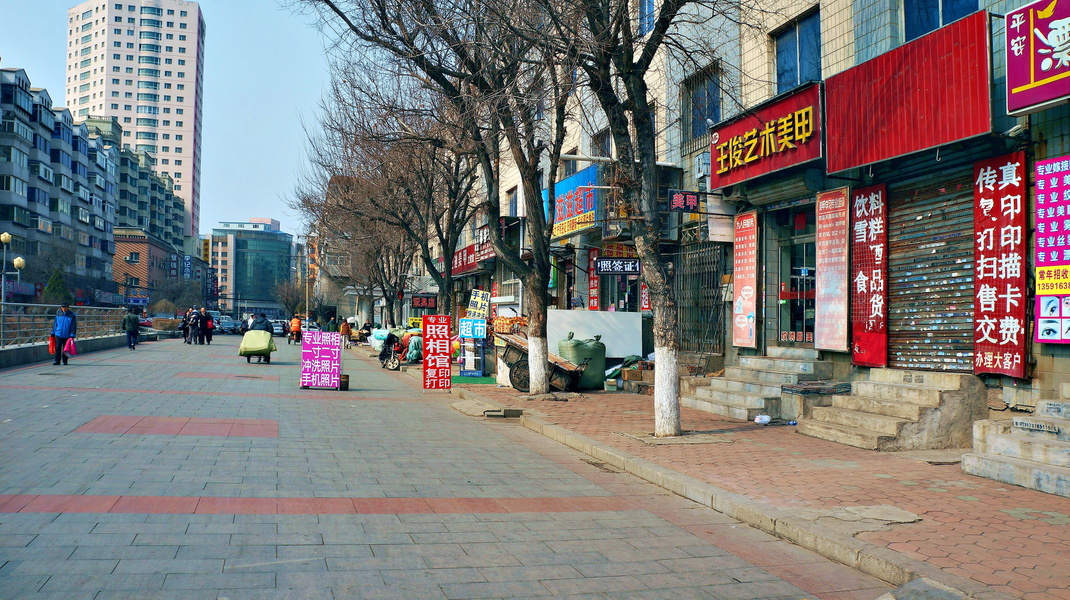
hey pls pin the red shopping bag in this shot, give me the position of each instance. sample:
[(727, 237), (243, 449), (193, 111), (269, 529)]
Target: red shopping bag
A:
[(51, 344), (69, 348)]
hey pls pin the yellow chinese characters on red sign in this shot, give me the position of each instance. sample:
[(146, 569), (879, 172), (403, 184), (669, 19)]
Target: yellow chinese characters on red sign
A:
[(774, 137)]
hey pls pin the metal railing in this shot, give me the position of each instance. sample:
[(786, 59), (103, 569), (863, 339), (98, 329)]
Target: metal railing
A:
[(24, 324)]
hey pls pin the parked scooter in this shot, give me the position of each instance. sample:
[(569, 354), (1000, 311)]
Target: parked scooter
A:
[(390, 356)]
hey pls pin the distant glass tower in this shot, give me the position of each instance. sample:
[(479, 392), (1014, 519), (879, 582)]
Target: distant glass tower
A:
[(142, 61)]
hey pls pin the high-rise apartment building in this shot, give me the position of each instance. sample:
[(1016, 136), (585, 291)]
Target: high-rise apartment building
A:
[(142, 61)]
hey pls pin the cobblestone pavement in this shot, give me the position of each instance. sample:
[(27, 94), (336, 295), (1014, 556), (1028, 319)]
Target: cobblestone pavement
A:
[(994, 536), (182, 472)]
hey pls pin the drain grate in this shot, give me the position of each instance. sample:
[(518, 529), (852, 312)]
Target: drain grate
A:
[(246, 377)]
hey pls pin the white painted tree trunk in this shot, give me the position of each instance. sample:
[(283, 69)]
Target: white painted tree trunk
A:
[(537, 365), (666, 392)]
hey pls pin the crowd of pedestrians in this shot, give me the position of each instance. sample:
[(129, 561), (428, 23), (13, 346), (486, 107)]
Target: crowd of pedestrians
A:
[(197, 326)]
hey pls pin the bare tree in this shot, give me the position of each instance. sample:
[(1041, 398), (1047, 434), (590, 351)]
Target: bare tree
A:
[(290, 294), (500, 88), (617, 50)]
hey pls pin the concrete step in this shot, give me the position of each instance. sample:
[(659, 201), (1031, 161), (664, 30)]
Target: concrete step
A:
[(765, 376), (736, 397), (754, 387), (842, 434), (1028, 474), (1039, 427), (944, 381), (789, 352), (734, 411), (816, 369), (880, 424), (878, 406), (1048, 452), (898, 392)]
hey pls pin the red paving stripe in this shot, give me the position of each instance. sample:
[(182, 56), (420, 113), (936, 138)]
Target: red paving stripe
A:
[(141, 425), (182, 505)]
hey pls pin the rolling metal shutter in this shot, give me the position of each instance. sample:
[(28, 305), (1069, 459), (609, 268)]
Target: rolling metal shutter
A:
[(930, 273)]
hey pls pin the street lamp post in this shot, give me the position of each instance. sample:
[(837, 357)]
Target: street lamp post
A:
[(19, 263), (5, 238)]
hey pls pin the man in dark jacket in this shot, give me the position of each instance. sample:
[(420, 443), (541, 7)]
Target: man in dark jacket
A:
[(196, 323), (261, 323), (65, 328), (131, 325)]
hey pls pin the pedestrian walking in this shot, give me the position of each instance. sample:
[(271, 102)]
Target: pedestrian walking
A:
[(346, 330), (204, 331), (184, 326), (132, 326), (195, 324), (64, 328), (331, 325)]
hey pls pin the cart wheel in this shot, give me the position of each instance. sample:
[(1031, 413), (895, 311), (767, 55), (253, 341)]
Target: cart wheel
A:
[(267, 359), (248, 359), (519, 376), (393, 363)]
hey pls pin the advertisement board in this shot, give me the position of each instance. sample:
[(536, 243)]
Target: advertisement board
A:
[(833, 270), (999, 262), (321, 359), (1052, 254), (576, 203), (769, 138), (437, 350), (869, 274), (745, 281), (1038, 62)]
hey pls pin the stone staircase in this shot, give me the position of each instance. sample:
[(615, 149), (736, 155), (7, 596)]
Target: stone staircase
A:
[(902, 410), (1032, 451), (754, 387)]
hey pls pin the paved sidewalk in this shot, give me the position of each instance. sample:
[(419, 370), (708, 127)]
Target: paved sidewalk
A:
[(896, 516)]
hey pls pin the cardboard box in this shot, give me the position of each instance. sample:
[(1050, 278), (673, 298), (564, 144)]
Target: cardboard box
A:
[(632, 375), (648, 375)]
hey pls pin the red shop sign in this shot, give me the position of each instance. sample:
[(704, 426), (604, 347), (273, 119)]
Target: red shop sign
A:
[(869, 273), (774, 137), (1000, 242)]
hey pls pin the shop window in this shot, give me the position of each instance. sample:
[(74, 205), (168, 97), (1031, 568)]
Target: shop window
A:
[(798, 53), (922, 16), (512, 202), (569, 167)]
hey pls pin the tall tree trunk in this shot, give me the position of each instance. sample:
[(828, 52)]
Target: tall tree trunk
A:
[(538, 359)]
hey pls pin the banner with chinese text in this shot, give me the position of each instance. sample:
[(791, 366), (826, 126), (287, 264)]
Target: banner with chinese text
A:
[(321, 359), (745, 281), (592, 279), (999, 311), (1038, 68), (437, 350), (576, 203), (478, 305), (869, 273), (831, 279), (1053, 251)]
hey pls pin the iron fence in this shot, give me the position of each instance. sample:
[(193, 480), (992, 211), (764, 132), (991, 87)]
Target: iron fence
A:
[(700, 268), (25, 324)]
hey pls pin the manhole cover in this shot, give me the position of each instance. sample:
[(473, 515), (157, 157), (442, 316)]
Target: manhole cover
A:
[(716, 436)]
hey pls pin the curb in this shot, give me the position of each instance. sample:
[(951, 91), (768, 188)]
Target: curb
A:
[(870, 559)]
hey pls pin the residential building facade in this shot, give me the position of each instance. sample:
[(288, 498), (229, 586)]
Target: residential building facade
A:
[(142, 61)]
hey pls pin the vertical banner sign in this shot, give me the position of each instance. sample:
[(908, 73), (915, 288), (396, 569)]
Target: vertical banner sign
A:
[(494, 294), (833, 270), (999, 314), (592, 279), (187, 266), (745, 281), (1053, 251), (869, 271), (479, 304), (644, 297), (437, 350), (321, 359)]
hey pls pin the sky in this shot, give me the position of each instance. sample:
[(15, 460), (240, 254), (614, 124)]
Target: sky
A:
[(265, 71)]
